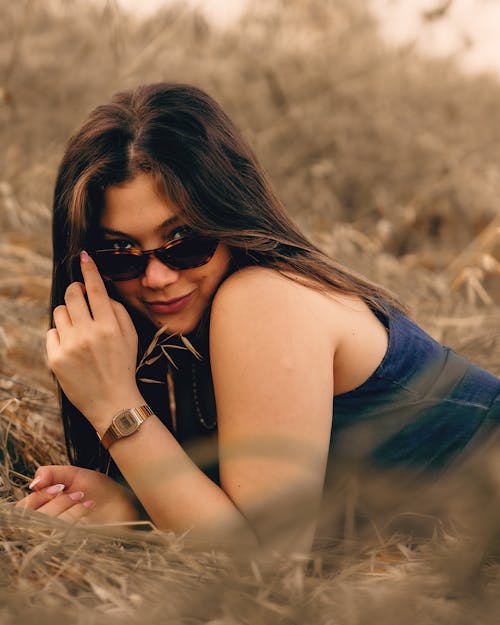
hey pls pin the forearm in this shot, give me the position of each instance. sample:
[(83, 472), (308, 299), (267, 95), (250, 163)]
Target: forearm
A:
[(177, 495)]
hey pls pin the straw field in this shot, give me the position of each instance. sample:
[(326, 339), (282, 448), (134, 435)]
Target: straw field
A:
[(391, 163)]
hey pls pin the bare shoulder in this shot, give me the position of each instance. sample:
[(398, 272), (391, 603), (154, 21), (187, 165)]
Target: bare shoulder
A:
[(271, 292), (258, 308), (273, 295), (256, 278)]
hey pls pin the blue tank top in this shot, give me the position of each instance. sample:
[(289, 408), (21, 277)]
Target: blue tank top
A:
[(421, 409)]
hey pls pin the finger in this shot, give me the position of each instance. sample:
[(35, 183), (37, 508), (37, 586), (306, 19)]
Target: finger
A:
[(51, 474), (40, 498), (124, 320), (62, 320), (61, 503), (77, 512), (99, 301), (77, 307), (53, 342)]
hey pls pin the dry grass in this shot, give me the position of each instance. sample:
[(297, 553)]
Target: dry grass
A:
[(391, 164), (412, 568)]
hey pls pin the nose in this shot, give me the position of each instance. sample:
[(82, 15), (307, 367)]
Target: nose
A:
[(158, 275)]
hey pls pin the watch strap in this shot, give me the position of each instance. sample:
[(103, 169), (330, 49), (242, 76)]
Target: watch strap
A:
[(113, 433)]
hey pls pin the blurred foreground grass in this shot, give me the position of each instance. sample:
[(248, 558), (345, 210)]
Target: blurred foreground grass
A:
[(390, 163)]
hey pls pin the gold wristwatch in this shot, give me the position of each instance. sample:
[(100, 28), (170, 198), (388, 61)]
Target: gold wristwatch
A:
[(125, 423)]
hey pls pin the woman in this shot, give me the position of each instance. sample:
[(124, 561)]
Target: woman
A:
[(169, 218)]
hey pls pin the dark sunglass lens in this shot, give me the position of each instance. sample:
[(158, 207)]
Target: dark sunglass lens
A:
[(119, 265), (188, 252)]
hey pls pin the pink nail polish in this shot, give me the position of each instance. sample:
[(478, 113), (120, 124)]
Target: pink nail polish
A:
[(36, 481), (53, 490), (84, 257), (89, 503), (77, 495)]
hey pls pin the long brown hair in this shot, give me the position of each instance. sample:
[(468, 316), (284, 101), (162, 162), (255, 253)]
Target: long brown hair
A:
[(182, 137)]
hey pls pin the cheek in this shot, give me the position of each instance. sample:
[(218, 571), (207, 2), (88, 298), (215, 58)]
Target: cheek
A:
[(215, 277), (124, 290), (221, 263)]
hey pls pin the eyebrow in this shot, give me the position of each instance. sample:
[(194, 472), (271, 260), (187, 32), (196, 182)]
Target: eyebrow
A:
[(165, 224)]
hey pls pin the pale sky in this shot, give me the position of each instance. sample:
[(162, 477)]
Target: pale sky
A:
[(470, 28)]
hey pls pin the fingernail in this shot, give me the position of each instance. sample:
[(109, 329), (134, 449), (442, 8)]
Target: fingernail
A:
[(57, 488), (84, 257), (77, 495), (36, 481), (89, 503)]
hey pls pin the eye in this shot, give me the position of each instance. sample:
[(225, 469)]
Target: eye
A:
[(180, 233), (118, 244)]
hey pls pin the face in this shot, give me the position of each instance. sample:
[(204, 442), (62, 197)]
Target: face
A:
[(136, 216)]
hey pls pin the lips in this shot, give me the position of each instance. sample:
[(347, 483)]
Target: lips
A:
[(171, 305)]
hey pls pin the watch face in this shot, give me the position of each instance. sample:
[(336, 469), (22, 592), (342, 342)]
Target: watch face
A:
[(125, 423)]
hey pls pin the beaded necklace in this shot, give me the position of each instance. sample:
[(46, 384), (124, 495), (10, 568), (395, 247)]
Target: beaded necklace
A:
[(199, 413), (208, 425)]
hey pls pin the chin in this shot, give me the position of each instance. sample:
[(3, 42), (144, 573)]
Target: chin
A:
[(175, 327)]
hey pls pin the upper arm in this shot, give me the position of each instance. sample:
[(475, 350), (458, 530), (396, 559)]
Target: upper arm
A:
[(272, 366)]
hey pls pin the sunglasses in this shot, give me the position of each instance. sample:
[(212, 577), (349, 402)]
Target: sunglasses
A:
[(184, 252)]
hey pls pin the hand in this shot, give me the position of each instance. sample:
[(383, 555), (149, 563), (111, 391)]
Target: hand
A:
[(92, 350), (73, 493)]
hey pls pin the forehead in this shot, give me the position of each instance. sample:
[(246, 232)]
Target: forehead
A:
[(135, 205)]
